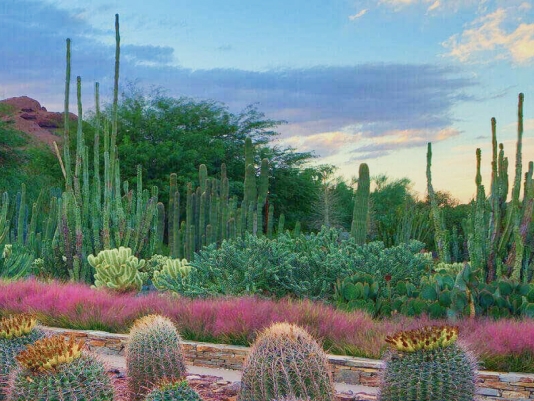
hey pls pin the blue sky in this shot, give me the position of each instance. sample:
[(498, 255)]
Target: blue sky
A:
[(357, 81)]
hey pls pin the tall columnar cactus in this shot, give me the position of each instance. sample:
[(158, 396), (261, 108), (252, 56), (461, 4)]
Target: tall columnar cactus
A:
[(96, 215), (361, 206), (428, 365), (117, 269), (285, 361), (55, 369), (499, 231), (173, 391), (16, 332), (440, 233), (154, 353)]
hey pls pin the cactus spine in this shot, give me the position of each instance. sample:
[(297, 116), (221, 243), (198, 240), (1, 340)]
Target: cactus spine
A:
[(286, 361), (154, 353)]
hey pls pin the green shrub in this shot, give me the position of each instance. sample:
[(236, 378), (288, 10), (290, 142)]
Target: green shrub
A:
[(285, 361), (154, 353), (303, 266)]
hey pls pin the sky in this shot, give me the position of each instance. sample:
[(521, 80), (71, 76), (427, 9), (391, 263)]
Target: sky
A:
[(360, 81)]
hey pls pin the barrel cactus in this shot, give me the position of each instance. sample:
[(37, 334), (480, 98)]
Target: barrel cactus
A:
[(56, 369), (428, 365), (117, 269), (285, 361), (15, 333), (154, 353), (173, 391)]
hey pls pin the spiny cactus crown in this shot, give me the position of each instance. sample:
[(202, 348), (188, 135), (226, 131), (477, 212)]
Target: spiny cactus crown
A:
[(50, 352), (426, 338), (285, 330), (16, 326)]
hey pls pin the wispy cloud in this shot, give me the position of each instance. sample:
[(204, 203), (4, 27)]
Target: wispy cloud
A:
[(358, 15), (402, 139), (487, 39), (333, 108), (432, 5)]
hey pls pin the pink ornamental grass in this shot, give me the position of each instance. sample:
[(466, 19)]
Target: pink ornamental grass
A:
[(503, 343)]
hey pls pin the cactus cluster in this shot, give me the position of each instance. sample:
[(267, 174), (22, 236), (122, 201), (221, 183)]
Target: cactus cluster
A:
[(171, 276), (173, 391), (154, 353), (428, 365), (55, 369), (285, 361), (117, 269), (16, 332)]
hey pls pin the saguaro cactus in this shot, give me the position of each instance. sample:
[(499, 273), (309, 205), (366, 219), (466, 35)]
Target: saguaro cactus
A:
[(361, 206)]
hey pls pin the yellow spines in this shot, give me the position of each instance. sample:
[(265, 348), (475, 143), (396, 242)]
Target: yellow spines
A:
[(426, 338), (16, 326), (49, 353)]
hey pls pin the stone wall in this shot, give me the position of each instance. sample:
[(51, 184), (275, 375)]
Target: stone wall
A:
[(362, 371)]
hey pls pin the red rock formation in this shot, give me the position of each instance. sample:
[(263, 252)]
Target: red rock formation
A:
[(30, 117)]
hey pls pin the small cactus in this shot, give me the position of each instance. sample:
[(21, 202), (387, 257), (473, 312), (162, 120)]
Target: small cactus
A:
[(285, 361), (15, 333), (154, 353), (428, 365), (172, 275), (169, 391), (55, 369), (117, 269)]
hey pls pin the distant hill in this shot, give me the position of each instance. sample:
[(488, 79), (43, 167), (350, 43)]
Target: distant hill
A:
[(27, 134), (27, 115)]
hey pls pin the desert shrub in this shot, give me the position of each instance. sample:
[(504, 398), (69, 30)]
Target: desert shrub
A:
[(302, 266)]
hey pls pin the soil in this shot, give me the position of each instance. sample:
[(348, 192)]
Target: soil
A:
[(212, 388)]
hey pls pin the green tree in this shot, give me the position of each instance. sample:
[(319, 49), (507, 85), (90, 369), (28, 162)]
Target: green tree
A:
[(166, 135)]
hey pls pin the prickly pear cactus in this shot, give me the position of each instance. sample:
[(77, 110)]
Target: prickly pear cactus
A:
[(154, 353), (177, 391), (285, 361), (15, 333), (56, 369), (117, 269), (428, 365)]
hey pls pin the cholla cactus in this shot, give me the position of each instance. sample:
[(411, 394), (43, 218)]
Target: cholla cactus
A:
[(285, 361), (117, 269), (428, 365), (174, 271), (173, 391), (15, 333), (154, 353), (56, 369)]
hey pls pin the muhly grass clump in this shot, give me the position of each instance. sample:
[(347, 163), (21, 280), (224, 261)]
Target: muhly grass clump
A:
[(505, 345)]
